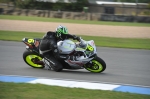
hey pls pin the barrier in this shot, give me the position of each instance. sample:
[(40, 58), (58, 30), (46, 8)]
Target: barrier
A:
[(75, 15), (123, 18)]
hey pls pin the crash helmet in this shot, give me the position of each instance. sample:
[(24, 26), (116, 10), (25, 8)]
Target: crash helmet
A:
[(61, 32)]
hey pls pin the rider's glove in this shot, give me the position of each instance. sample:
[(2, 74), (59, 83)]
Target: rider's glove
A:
[(76, 38)]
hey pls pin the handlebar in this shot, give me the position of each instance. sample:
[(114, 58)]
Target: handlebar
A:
[(83, 43)]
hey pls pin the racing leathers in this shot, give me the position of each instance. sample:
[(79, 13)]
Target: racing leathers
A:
[(48, 46)]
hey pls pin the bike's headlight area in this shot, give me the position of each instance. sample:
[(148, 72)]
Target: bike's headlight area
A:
[(89, 53)]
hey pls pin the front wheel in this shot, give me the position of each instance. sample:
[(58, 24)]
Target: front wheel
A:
[(97, 65), (29, 58)]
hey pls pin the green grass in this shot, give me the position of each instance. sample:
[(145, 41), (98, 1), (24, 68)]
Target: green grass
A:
[(39, 91), (99, 41), (44, 19)]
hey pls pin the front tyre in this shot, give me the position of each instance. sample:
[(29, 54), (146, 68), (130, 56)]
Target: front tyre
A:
[(97, 65), (28, 57)]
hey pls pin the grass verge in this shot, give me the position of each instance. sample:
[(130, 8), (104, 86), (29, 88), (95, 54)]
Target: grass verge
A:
[(99, 41), (44, 19), (39, 91)]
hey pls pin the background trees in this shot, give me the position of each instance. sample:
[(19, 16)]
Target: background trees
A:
[(60, 5)]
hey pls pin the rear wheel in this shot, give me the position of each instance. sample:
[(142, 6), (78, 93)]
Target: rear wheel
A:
[(30, 57), (97, 65)]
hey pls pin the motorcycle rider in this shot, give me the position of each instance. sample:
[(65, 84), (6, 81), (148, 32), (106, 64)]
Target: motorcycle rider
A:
[(48, 46)]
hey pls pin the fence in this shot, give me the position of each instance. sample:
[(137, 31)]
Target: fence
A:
[(120, 14)]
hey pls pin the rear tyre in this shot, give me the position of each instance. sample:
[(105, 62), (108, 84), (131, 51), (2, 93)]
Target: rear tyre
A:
[(97, 65), (28, 58)]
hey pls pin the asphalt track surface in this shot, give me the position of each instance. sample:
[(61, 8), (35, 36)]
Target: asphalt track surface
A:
[(124, 66)]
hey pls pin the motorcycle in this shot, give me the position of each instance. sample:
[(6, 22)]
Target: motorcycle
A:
[(85, 52)]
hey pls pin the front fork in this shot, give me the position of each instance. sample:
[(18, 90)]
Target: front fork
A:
[(90, 63)]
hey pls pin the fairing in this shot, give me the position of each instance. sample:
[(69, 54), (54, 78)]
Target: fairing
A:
[(66, 46)]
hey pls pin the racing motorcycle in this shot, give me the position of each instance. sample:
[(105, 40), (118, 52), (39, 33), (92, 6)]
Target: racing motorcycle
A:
[(85, 52)]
